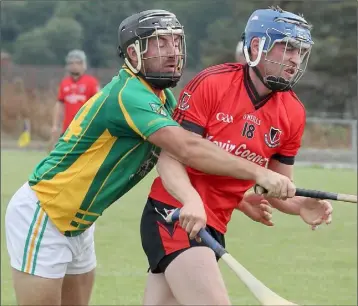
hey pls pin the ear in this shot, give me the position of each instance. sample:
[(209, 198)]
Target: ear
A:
[(254, 48), (132, 55)]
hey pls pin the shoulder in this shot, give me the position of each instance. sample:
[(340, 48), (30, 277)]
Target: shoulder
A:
[(90, 78), (65, 81), (170, 100), (218, 75), (169, 94), (170, 97), (133, 91), (294, 107)]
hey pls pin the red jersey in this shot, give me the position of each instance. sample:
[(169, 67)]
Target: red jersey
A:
[(74, 93), (222, 105)]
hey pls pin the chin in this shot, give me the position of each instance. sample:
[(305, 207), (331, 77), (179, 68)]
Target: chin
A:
[(170, 70)]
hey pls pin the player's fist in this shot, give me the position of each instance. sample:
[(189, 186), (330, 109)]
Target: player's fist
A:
[(54, 129), (276, 185), (192, 217)]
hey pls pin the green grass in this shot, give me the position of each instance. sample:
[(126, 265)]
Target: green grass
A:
[(311, 268)]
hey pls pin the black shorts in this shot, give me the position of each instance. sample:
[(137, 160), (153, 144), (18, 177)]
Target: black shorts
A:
[(162, 242)]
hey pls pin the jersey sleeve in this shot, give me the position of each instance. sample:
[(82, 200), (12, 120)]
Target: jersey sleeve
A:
[(142, 113), (195, 105), (292, 144), (60, 93)]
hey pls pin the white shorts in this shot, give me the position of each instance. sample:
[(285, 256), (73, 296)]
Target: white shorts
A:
[(37, 247)]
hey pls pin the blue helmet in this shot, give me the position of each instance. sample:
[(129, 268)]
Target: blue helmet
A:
[(271, 26)]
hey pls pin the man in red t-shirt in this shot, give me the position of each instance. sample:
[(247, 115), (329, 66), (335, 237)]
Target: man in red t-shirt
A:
[(250, 111), (74, 90)]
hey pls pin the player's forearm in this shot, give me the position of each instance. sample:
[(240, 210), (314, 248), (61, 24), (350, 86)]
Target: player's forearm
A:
[(209, 158), (175, 179), (57, 114), (203, 155), (290, 206)]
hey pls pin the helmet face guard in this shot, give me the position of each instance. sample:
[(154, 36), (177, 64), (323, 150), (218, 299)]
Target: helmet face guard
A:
[(141, 47), (153, 26), (276, 26)]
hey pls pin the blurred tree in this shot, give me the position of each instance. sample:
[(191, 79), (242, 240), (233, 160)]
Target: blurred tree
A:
[(33, 48), (100, 20), (49, 44), (18, 17), (42, 32), (10, 26), (219, 45), (63, 35)]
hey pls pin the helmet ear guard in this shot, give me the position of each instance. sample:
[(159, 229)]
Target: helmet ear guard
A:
[(136, 47), (247, 55)]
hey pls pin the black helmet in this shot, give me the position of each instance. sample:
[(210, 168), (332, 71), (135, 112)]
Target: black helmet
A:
[(136, 29)]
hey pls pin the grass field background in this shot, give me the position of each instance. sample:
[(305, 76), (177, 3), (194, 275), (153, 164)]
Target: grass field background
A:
[(307, 267)]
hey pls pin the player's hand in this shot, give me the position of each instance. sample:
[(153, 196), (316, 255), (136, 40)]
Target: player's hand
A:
[(315, 212), (277, 185), (54, 129), (193, 218), (257, 208)]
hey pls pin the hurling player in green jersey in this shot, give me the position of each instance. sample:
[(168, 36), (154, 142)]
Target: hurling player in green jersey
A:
[(111, 144)]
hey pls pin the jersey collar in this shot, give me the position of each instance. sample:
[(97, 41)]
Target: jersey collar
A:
[(162, 96), (257, 100), (78, 79)]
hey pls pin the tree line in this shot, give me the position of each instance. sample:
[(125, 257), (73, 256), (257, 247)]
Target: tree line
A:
[(42, 32)]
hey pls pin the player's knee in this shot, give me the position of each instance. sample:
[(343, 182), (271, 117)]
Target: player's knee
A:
[(77, 289)]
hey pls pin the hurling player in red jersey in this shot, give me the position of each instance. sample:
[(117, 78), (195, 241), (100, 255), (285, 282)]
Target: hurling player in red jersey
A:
[(250, 111), (74, 90)]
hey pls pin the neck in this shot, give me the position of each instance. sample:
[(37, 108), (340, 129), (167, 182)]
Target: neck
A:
[(76, 77), (157, 91), (261, 89)]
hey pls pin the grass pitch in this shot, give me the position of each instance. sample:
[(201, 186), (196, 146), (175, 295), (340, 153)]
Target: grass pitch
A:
[(304, 266)]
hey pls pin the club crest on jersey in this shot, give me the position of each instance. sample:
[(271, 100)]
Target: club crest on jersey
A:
[(184, 102), (158, 109), (272, 138)]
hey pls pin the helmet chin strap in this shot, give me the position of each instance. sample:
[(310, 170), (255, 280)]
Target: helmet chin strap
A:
[(273, 83), (156, 82), (259, 75)]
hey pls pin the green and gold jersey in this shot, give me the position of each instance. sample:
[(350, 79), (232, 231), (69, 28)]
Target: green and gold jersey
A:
[(103, 153)]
